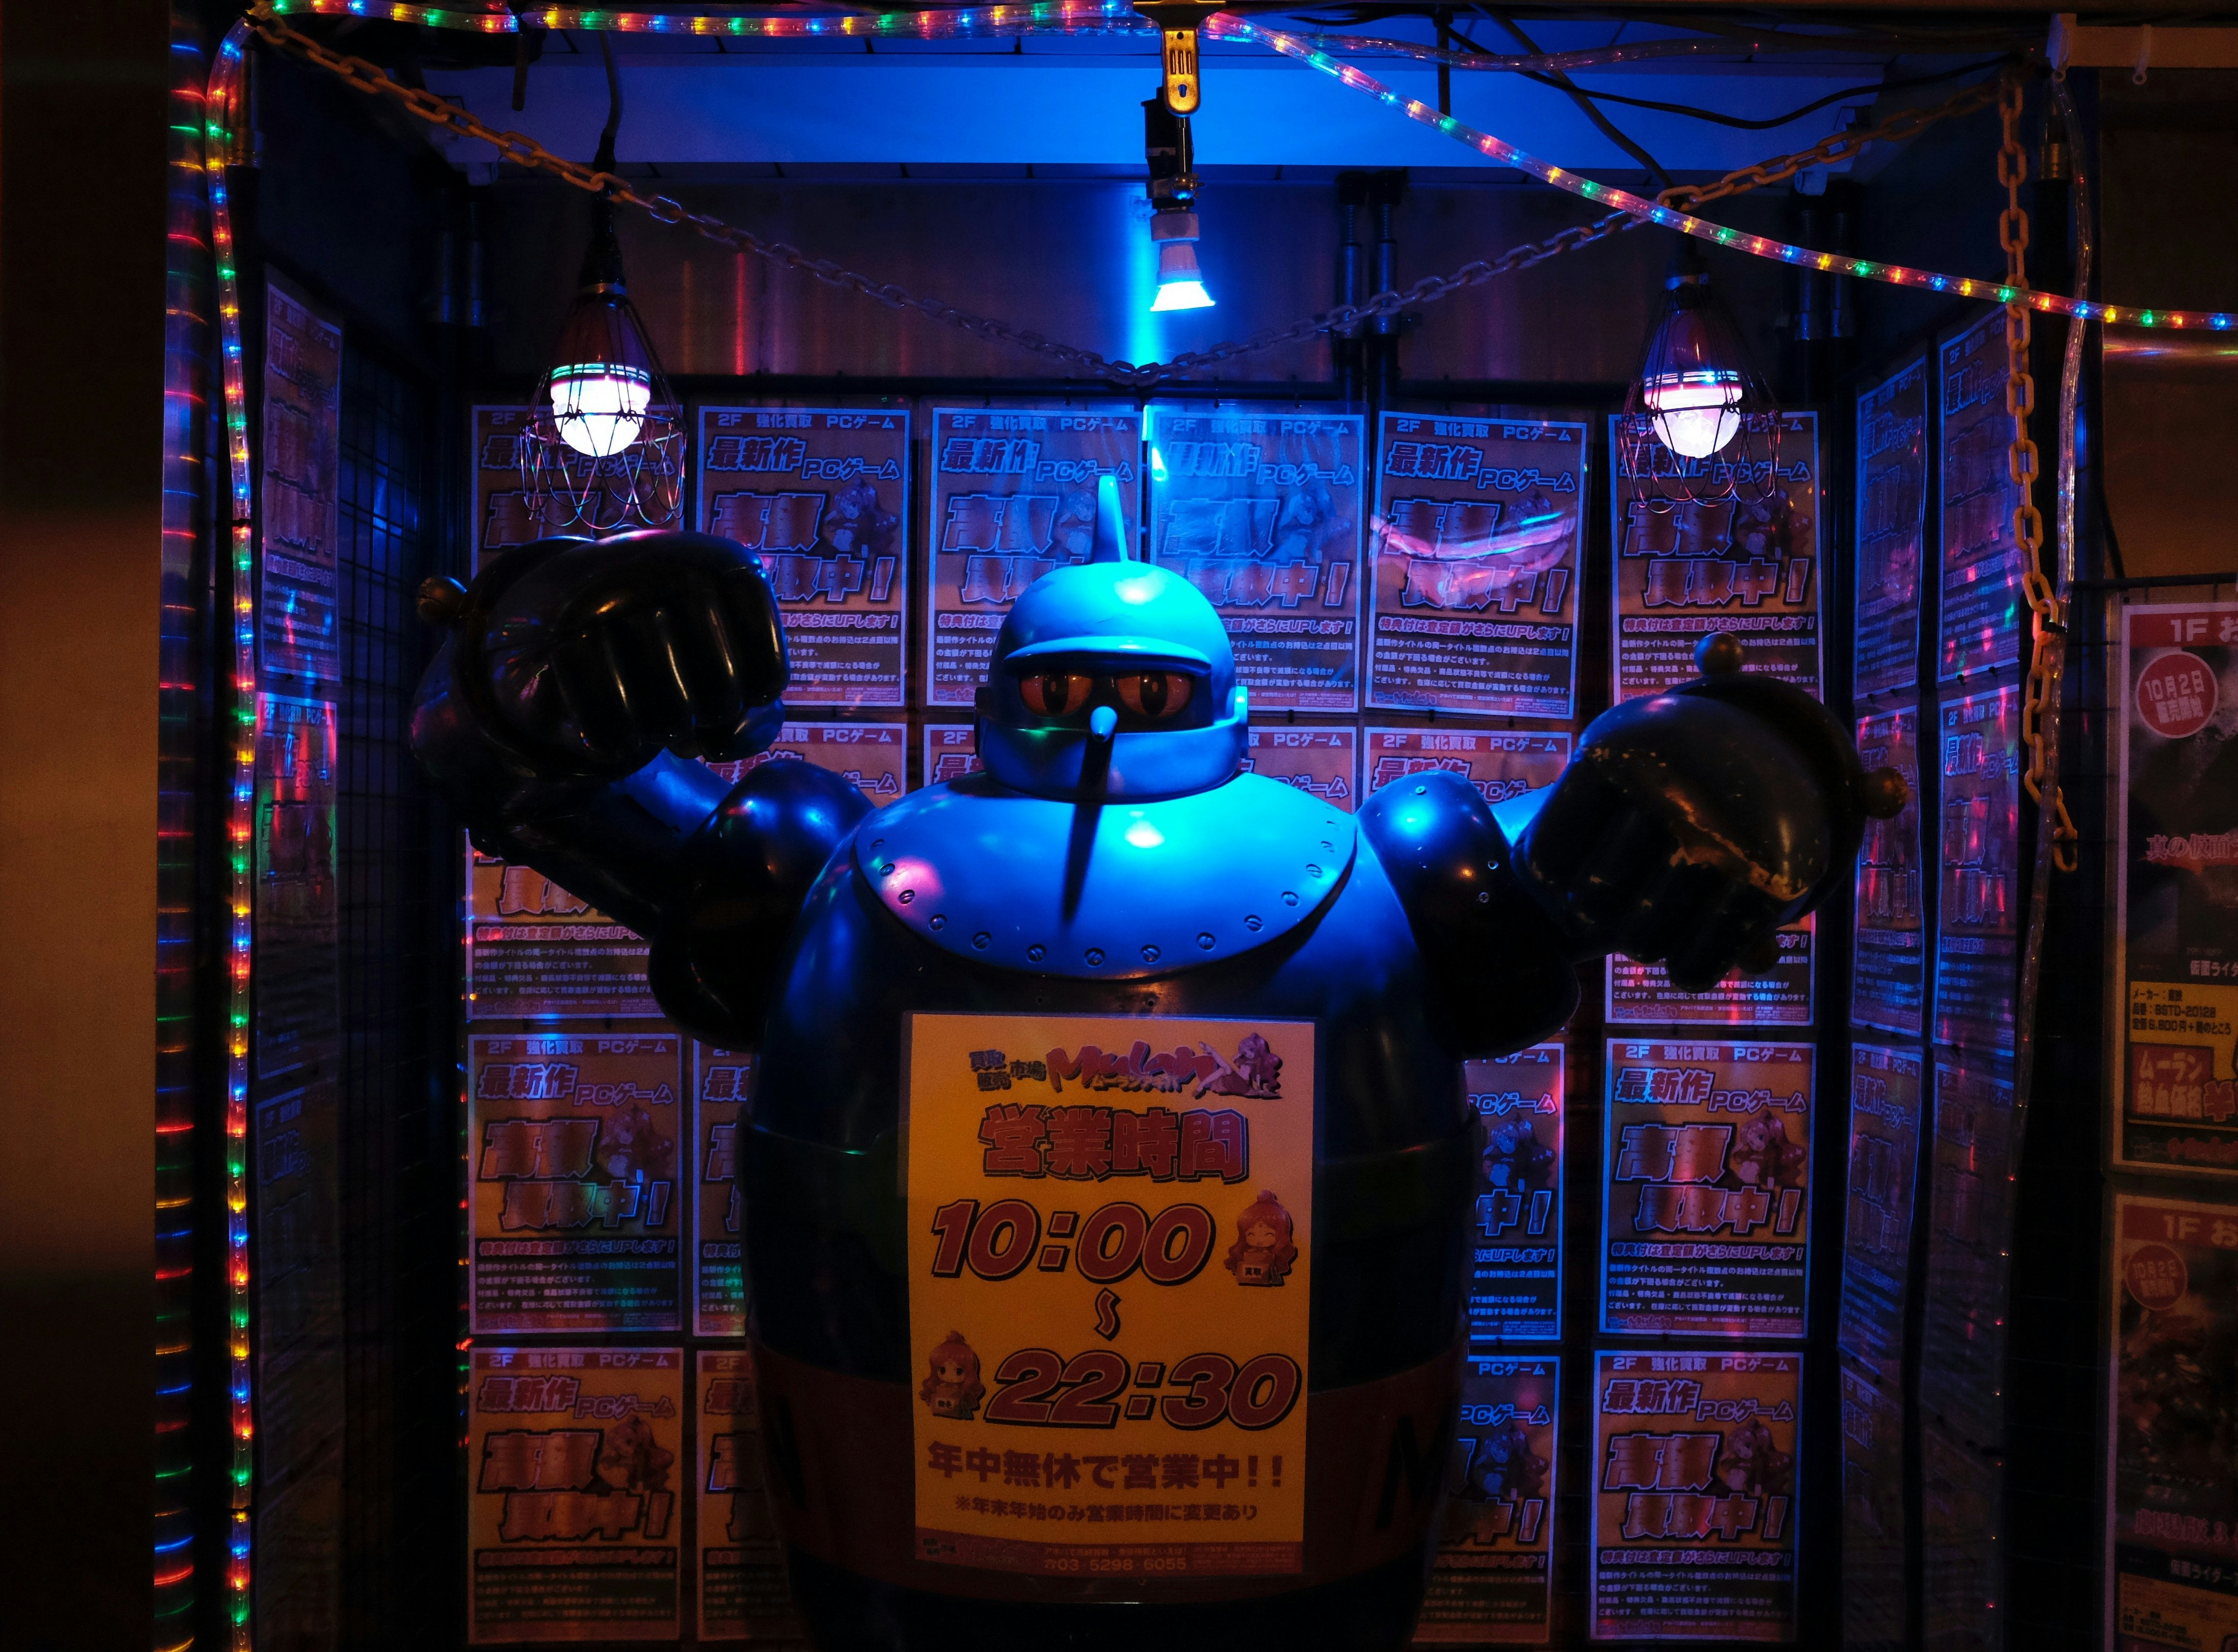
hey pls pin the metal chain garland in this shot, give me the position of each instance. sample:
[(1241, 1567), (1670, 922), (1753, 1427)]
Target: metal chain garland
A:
[(2048, 625), (526, 152)]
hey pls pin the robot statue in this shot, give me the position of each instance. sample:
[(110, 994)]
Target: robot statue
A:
[(1112, 866)]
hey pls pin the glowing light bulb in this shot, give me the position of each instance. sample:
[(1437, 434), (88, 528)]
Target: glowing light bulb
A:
[(1180, 283), (600, 406), (1694, 412), (1182, 295)]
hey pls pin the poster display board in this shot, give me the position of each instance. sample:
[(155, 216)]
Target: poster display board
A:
[(1641, 994), (722, 1102), (951, 750), (743, 1593), (1891, 529), (1885, 1095), (1962, 1360), (872, 756), (1500, 763), (1479, 526), (536, 953), (1693, 1499), (1748, 567), (1322, 761), (299, 630), (1515, 1267), (2176, 1011), (1260, 509), (574, 1134), (1176, 1420), (574, 1531), (2172, 1537), (1889, 990), (1978, 917), (1492, 1582), (1013, 495), (1872, 1513), (821, 495), (1981, 627), (1707, 1174)]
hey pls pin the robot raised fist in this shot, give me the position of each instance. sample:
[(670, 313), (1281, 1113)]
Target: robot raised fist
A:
[(1112, 957)]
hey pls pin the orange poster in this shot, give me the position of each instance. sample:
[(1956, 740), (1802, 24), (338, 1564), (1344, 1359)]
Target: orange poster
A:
[(743, 1593), (1110, 1276)]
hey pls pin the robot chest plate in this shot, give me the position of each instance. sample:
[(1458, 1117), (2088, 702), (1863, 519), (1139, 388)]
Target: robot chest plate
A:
[(1116, 892)]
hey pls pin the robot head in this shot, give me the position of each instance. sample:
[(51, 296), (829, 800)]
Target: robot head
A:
[(1111, 679)]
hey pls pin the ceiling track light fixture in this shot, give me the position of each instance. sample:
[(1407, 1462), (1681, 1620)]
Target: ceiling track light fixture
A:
[(1172, 158), (604, 448), (1700, 424)]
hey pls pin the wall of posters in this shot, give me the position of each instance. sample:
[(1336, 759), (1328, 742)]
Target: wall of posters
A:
[(1479, 524), (299, 628), (2172, 1537), (1706, 1176), (1962, 1376), (1978, 918), (873, 757), (577, 1224), (743, 1593), (951, 750), (1500, 764), (1260, 508), (1981, 628), (2176, 1021), (1891, 529), (1515, 1267), (535, 951), (1641, 994), (1885, 1095), (1872, 1514), (821, 495), (1013, 495), (1693, 1500), (1321, 760), (1889, 990), (572, 1524), (722, 1101), (1491, 1583), (1747, 567)]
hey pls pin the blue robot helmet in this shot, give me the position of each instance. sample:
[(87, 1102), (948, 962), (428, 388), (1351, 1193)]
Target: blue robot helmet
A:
[(1112, 678)]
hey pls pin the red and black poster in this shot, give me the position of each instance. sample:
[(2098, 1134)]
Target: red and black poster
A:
[(1013, 496), (1324, 761), (299, 628), (722, 1096), (1886, 1093), (1477, 529), (1694, 1512), (2177, 1006), (1889, 990), (744, 1593), (1260, 510), (1641, 994), (1746, 567), (1891, 529), (1500, 763), (1962, 1358), (951, 750), (821, 495), (1705, 1215), (1978, 924), (1982, 561), (535, 951), (577, 1219), (1491, 1583), (1515, 1267)]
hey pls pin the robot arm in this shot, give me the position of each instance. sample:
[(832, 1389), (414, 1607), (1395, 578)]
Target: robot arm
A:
[(1688, 828), (561, 718)]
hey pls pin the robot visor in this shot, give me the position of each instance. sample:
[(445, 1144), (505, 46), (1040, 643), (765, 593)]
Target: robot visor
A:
[(1058, 692)]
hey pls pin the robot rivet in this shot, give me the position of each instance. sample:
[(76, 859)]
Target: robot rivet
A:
[(1422, 791), (1205, 941), (907, 896), (1037, 953), (1312, 871), (981, 940), (1094, 956), (940, 920), (1251, 921), (1483, 897), (1149, 954), (1289, 897), (886, 871)]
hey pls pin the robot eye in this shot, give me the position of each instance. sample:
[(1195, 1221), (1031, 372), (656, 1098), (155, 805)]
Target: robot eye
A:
[(1052, 694), (1155, 693)]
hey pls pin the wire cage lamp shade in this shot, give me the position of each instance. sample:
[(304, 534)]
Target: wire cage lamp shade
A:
[(1700, 424)]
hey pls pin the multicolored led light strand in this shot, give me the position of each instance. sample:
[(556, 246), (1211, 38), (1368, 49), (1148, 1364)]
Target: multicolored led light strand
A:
[(959, 22), (241, 823)]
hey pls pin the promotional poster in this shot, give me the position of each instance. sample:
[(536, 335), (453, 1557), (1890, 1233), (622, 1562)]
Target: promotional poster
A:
[(1260, 510), (1111, 1248), (1747, 567), (1694, 1495), (2173, 1536), (1885, 1093), (1872, 1514), (577, 1223), (1515, 1270), (1323, 761), (1479, 524), (821, 495), (573, 1529), (1891, 529), (1013, 496), (1641, 994), (1981, 627), (743, 1593), (1889, 992), (1706, 1176), (872, 756), (2176, 1011), (1490, 1584), (1962, 1357), (501, 509), (1978, 919), (722, 1090), (1500, 764), (536, 953), (299, 635), (951, 750)]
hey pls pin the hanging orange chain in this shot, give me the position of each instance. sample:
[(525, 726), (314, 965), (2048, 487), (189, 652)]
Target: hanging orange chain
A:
[(2047, 627)]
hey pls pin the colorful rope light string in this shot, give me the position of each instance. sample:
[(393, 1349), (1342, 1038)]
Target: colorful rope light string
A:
[(241, 820)]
